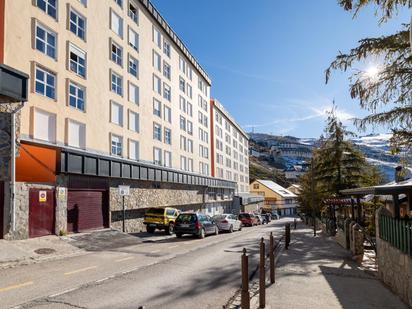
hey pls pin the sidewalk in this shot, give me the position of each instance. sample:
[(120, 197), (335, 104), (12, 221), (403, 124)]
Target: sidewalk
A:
[(317, 273)]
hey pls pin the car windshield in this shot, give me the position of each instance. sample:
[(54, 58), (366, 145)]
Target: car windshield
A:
[(156, 211), (244, 216), (186, 218)]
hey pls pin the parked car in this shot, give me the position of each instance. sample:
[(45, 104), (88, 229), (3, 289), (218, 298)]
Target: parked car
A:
[(268, 217), (247, 219), (261, 219), (195, 224), (275, 216), (161, 219), (228, 222)]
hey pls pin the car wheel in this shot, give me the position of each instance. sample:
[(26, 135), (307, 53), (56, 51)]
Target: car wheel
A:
[(178, 235), (202, 233), (170, 229), (150, 229), (231, 229), (216, 231)]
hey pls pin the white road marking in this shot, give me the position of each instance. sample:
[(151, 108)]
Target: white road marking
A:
[(171, 247), (155, 251), (80, 270), (125, 259)]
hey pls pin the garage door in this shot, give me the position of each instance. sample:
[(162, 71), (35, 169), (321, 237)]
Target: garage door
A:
[(1, 208), (87, 210), (41, 212)]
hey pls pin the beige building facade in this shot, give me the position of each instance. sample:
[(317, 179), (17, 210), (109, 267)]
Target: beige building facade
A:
[(230, 148), (115, 98)]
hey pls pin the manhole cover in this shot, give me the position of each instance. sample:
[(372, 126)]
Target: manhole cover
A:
[(44, 251)]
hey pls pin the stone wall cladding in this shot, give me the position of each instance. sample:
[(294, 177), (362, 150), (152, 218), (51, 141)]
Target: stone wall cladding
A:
[(61, 205), (145, 194)]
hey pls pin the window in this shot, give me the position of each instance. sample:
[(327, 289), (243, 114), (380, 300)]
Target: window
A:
[(48, 6), (133, 67), (45, 83), (189, 127), (133, 121), (77, 60), (166, 70), (157, 132), (157, 84), (116, 54), (182, 65), (167, 48), (133, 93), (157, 61), (84, 2), (167, 114), (189, 109), (168, 136), (44, 126), (119, 2), (76, 132), (183, 145), (157, 156), (77, 24), (46, 41), (182, 104), (168, 159), (117, 84), (117, 145), (76, 96), (133, 150), (189, 72), (116, 114), (116, 24), (190, 165), (133, 14), (133, 39), (167, 92), (182, 123), (183, 163), (189, 91), (157, 108), (157, 37), (189, 145), (182, 85)]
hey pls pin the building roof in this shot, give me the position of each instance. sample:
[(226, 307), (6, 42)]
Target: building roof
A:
[(386, 189), (223, 110), (174, 37), (276, 188)]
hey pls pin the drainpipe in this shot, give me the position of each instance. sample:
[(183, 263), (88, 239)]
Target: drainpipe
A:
[(13, 167)]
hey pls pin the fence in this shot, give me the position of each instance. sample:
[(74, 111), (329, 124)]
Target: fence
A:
[(397, 232)]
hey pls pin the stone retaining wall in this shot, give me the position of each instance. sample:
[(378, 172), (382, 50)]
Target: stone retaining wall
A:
[(394, 267)]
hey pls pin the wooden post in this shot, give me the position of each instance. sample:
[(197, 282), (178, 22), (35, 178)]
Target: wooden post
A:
[(262, 283), (272, 259), (287, 235), (245, 296)]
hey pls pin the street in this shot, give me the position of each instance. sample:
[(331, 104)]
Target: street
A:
[(167, 273)]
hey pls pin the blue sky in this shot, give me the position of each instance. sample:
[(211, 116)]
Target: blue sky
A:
[(267, 60)]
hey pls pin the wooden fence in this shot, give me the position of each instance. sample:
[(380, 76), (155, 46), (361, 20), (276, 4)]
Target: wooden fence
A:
[(398, 232)]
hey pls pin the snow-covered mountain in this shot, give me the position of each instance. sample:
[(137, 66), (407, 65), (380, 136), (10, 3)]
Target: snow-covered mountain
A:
[(375, 147)]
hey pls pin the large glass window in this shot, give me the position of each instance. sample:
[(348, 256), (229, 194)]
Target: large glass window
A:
[(76, 96), (46, 41), (168, 136), (45, 83), (157, 132), (117, 145), (133, 13), (48, 6), (77, 60), (116, 53), (157, 108), (117, 84), (133, 66), (77, 24)]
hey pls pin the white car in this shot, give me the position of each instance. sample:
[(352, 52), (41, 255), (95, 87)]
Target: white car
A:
[(228, 222)]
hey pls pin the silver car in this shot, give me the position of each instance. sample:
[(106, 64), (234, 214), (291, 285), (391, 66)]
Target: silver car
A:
[(228, 222)]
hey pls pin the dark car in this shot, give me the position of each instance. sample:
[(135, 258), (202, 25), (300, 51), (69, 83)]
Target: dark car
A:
[(247, 219), (195, 224)]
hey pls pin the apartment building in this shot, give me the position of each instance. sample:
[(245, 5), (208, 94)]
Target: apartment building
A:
[(230, 147), (115, 98)]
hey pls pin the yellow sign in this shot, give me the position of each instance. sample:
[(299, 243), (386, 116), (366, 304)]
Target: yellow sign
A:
[(42, 196)]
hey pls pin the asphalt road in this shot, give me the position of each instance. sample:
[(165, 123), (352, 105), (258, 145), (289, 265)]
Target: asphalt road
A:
[(165, 273)]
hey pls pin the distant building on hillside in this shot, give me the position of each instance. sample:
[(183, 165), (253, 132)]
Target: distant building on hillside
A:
[(276, 197), (296, 189)]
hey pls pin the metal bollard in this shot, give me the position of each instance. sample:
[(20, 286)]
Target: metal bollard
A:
[(245, 296), (287, 235), (272, 258), (262, 272)]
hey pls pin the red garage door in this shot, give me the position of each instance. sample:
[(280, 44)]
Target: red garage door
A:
[(87, 210), (1, 208), (41, 212)]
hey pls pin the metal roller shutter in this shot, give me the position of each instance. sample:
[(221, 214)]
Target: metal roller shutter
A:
[(86, 210)]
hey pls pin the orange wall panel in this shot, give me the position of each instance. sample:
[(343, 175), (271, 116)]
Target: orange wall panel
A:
[(36, 164)]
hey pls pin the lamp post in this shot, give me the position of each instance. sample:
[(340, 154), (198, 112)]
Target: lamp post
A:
[(312, 196)]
